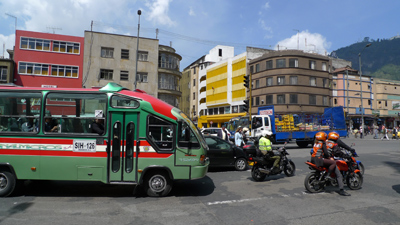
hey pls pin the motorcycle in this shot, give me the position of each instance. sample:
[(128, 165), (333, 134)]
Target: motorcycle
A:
[(317, 180), (261, 165)]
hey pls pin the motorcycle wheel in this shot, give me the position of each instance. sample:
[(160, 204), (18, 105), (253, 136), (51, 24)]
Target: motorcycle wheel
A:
[(311, 183), (256, 174), (289, 169), (361, 167), (354, 181)]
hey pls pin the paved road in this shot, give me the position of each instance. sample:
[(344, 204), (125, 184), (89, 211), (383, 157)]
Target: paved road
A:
[(224, 196)]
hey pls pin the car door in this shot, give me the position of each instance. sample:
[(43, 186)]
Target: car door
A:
[(220, 152)]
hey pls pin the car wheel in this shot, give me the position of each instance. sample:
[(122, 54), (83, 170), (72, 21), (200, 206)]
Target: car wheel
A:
[(241, 164)]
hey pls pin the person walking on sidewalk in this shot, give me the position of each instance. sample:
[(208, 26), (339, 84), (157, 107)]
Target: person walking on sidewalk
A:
[(384, 131)]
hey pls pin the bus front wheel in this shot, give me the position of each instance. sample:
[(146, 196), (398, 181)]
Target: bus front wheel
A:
[(7, 183), (158, 184)]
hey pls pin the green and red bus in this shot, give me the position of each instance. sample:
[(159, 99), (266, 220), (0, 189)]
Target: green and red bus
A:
[(111, 134)]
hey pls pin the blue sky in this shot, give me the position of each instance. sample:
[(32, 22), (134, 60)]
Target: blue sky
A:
[(196, 26)]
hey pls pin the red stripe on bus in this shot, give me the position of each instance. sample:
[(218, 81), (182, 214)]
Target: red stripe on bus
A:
[(37, 141)]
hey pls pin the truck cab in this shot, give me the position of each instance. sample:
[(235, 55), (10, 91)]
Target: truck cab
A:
[(259, 124)]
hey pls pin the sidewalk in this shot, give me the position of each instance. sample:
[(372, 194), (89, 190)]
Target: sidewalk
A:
[(370, 137)]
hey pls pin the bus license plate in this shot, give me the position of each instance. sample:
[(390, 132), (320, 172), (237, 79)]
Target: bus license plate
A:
[(84, 145)]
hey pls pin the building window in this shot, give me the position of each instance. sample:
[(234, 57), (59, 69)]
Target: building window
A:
[(167, 61), (325, 82), (124, 75), (324, 66), (257, 83), (124, 53), (210, 112), (369, 101), (64, 71), (312, 64), (194, 70), (168, 82), (293, 98), (269, 65), (312, 99), (142, 77), (269, 99), (3, 73), (35, 44), (221, 110), (215, 111), (194, 82), (325, 100), (220, 52), (293, 80), (257, 100), (257, 68), (170, 99), (33, 68), (293, 63), (313, 81), (270, 81), (335, 101), (280, 63), (107, 52), (280, 99), (234, 109), (142, 55), (106, 74), (68, 47), (251, 69), (281, 80), (194, 95)]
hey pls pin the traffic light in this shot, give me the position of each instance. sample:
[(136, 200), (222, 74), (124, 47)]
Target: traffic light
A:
[(246, 81), (246, 106)]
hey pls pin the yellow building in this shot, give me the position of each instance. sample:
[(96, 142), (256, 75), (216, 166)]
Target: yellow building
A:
[(224, 92)]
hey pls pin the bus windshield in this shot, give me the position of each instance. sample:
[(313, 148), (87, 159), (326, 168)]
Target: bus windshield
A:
[(194, 129)]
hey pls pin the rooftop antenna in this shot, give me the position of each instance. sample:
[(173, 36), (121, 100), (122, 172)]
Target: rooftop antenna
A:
[(157, 33), (54, 29)]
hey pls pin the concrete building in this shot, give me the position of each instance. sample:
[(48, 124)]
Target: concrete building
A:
[(349, 95), (7, 70), (48, 60), (184, 100), (112, 58), (387, 102), (293, 81)]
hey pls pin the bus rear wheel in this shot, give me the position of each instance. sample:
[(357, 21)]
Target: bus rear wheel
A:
[(7, 183), (157, 184)]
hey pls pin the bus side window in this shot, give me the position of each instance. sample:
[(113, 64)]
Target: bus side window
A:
[(18, 110), (187, 139), (160, 133)]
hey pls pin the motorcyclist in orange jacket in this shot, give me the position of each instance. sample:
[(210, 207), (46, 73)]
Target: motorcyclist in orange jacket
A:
[(321, 157)]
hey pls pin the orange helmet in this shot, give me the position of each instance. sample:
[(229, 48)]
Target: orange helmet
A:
[(333, 136), (320, 136)]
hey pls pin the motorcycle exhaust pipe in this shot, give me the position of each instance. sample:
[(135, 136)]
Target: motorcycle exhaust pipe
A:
[(266, 171)]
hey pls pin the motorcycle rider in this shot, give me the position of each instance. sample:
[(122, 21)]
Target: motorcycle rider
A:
[(334, 142), (321, 157), (265, 147)]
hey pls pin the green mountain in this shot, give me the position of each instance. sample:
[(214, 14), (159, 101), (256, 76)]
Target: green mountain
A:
[(381, 59)]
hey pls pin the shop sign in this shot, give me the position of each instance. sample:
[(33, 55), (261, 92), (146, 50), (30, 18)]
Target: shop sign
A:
[(376, 112)]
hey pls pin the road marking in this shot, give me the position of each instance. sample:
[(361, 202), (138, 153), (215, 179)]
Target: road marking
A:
[(262, 198)]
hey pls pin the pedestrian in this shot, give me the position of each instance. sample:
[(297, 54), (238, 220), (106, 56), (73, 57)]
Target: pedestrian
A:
[(239, 137), (376, 133), (361, 131), (384, 132), (395, 130)]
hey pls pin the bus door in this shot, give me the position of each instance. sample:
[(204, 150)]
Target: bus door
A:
[(123, 133)]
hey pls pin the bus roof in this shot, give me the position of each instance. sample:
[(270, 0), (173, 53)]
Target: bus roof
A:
[(157, 104)]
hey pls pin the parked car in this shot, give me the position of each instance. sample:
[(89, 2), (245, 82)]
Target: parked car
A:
[(223, 153), (211, 131)]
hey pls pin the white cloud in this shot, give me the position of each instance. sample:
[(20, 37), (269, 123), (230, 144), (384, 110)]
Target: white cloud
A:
[(159, 12), (265, 28), (312, 42), (191, 12), (8, 41), (266, 5)]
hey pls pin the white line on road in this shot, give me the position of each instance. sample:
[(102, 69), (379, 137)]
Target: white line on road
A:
[(258, 199)]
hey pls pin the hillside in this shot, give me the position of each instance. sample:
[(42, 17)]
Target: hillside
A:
[(381, 59)]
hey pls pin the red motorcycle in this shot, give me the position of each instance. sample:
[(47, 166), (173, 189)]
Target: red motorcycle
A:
[(317, 180)]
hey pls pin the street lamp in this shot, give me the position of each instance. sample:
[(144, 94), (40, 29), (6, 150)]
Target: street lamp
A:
[(137, 47), (361, 94)]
